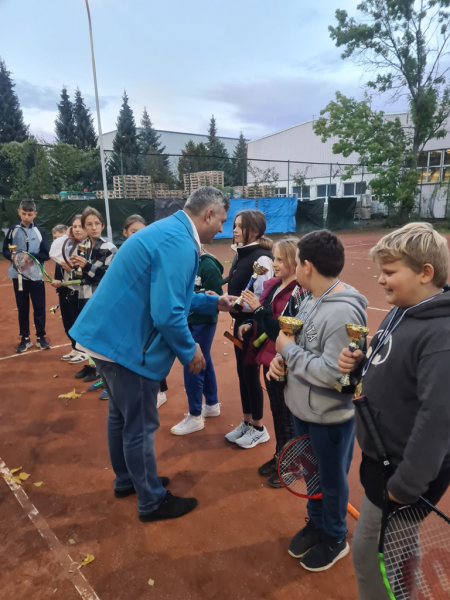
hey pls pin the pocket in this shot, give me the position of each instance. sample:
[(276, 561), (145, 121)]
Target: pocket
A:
[(335, 434), (311, 402)]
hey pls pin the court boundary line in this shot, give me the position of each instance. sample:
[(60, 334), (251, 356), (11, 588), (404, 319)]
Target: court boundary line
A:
[(33, 351), (381, 309), (63, 557)]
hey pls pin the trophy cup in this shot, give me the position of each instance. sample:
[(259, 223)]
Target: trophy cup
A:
[(81, 249), (289, 326), (53, 309), (357, 333), (12, 247), (257, 270)]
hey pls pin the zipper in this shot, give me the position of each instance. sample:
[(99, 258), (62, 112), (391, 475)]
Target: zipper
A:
[(151, 338)]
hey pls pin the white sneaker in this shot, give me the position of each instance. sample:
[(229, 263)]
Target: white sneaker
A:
[(253, 437), (212, 410), (72, 354), (162, 398), (188, 425), (237, 433), (78, 358)]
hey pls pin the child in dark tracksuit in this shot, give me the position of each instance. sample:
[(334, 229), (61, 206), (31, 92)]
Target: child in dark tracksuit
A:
[(203, 327), (24, 289)]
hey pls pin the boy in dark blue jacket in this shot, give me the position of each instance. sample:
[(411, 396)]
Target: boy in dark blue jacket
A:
[(25, 289)]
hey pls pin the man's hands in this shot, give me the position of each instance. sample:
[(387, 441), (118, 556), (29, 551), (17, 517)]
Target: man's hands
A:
[(198, 363), (224, 303), (276, 369), (251, 299), (242, 330), (348, 361)]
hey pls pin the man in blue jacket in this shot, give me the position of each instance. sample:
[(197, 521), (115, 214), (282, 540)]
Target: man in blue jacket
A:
[(135, 325)]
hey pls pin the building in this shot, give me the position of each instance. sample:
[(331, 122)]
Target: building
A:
[(299, 151), (175, 141)]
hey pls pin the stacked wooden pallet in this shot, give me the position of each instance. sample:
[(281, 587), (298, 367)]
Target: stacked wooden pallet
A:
[(195, 180), (101, 194), (136, 186), (171, 194), (261, 191), (157, 188)]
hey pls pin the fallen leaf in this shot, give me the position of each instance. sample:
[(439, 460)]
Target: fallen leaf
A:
[(225, 342), (151, 582), (15, 470), (38, 483), (7, 476), (71, 395), (72, 542), (24, 476), (88, 558), (225, 353), (16, 480), (55, 376), (230, 425)]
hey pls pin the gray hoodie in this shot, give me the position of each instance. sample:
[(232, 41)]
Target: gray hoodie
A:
[(313, 371)]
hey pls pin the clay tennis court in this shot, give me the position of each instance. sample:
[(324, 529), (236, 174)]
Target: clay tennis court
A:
[(232, 547)]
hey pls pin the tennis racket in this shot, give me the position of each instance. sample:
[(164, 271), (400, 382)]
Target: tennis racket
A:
[(414, 541), (30, 268), (298, 471), (18, 239)]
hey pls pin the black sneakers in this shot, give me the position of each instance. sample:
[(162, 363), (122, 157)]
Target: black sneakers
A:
[(84, 371), (172, 507), (91, 376), (131, 491), (305, 539), (269, 467), (42, 343), (25, 343), (273, 481), (324, 554)]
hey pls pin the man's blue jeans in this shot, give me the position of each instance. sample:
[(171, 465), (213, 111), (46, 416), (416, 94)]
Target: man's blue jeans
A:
[(203, 384), (333, 448), (132, 422)]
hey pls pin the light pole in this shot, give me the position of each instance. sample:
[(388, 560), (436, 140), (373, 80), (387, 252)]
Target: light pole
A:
[(99, 125)]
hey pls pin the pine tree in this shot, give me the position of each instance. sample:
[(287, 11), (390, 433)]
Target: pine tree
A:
[(12, 126), (64, 122), (149, 139), (240, 162), (126, 149), (85, 136), (212, 132), (220, 161)]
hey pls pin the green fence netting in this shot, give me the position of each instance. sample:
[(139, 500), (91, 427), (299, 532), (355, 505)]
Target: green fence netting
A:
[(309, 215), (341, 213)]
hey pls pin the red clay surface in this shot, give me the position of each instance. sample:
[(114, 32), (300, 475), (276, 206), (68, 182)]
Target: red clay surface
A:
[(232, 547)]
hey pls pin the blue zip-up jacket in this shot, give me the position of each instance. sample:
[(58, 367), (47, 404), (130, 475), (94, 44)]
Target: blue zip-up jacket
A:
[(138, 314), (37, 245)]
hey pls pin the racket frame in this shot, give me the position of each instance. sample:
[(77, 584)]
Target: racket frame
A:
[(43, 271), (282, 454), (11, 238)]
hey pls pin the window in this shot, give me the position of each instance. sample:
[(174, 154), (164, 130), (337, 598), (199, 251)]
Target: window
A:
[(358, 191), (435, 158), (433, 174), (326, 190), (280, 191), (306, 192), (447, 157), (446, 173), (349, 189), (422, 159)]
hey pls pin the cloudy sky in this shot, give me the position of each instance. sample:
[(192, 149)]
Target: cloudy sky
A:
[(257, 65)]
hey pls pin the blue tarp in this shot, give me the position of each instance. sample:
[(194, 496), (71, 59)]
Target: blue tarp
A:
[(280, 214), (236, 205)]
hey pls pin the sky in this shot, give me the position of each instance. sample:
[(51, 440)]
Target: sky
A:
[(258, 65)]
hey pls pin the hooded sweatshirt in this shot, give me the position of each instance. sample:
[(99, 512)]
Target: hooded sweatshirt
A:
[(313, 360), (209, 278), (408, 389)]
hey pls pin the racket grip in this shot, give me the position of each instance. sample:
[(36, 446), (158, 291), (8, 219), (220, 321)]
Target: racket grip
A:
[(233, 339), (363, 408), (71, 282)]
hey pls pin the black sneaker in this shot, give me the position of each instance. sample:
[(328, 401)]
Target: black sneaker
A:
[(84, 371), (273, 481), (98, 385), (91, 376), (269, 467), (325, 554), (42, 343), (305, 539), (25, 343), (131, 491), (172, 507)]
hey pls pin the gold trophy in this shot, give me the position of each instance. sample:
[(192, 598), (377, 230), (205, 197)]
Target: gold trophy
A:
[(81, 249), (53, 309), (12, 247), (289, 326), (257, 270), (357, 333)]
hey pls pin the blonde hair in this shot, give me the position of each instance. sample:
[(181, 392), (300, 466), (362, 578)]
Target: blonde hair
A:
[(288, 250), (416, 244), (60, 228)]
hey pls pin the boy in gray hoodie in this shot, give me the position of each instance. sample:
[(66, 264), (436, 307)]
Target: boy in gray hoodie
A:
[(318, 410)]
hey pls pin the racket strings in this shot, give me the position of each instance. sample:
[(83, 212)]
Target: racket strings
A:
[(416, 555), (299, 470), (27, 266)]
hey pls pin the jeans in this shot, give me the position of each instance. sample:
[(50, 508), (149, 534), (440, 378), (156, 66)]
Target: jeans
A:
[(203, 384), (333, 449), (132, 422), (36, 291)]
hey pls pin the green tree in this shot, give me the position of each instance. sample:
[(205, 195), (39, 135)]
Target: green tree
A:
[(126, 148), (149, 142), (212, 132), (240, 162), (75, 168), (12, 125), (64, 122), (220, 161), (29, 170), (85, 136)]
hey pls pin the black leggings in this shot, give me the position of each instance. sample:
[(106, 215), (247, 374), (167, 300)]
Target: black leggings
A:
[(282, 416), (249, 383), (68, 304)]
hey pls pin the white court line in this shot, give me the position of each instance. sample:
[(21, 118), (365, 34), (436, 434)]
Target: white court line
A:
[(5, 285), (63, 557), (382, 309), (32, 352)]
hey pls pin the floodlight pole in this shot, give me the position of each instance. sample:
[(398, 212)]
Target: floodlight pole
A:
[(99, 126)]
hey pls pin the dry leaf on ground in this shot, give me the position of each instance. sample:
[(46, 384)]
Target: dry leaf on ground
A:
[(24, 476), (7, 476), (71, 395), (17, 480), (88, 558), (15, 470), (151, 582), (72, 542), (38, 483)]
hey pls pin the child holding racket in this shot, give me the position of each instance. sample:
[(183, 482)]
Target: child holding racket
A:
[(28, 237), (406, 381), (94, 265), (248, 230), (274, 302), (319, 411)]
